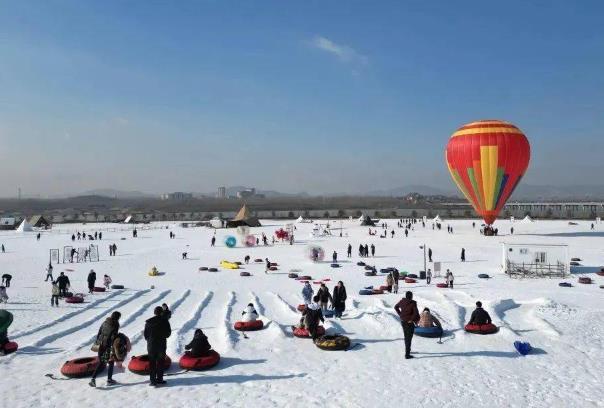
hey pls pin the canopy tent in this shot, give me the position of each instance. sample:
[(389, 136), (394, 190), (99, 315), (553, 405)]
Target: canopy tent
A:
[(24, 227), (244, 217)]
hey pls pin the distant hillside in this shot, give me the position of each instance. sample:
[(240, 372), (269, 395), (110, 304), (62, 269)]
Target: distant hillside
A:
[(112, 193)]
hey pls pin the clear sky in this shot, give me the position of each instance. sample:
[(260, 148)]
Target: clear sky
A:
[(317, 96)]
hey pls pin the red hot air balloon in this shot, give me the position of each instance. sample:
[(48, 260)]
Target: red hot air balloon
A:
[(487, 159)]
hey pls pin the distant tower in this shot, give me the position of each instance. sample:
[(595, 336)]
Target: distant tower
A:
[(19, 193), (221, 192)]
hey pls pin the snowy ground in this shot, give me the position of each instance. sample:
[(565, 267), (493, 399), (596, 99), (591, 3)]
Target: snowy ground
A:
[(272, 368)]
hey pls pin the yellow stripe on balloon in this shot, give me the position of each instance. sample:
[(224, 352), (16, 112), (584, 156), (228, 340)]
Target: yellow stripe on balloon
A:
[(457, 179), (488, 164), (473, 131)]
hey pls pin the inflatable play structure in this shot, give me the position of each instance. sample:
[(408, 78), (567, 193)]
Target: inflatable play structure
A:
[(230, 241), (315, 253), (281, 234), (250, 241), (188, 362), (140, 364)]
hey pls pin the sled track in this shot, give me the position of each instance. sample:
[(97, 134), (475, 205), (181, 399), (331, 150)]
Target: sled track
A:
[(190, 323), (230, 334)]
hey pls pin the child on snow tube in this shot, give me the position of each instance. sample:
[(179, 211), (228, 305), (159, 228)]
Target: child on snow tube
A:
[(199, 346), (428, 325), (249, 314)]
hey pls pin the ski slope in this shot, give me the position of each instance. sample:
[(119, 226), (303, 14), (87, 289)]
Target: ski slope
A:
[(271, 368)]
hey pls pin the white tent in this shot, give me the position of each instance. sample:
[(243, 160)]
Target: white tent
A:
[(362, 217), (437, 219), (24, 227), (527, 219), (128, 219), (300, 219)]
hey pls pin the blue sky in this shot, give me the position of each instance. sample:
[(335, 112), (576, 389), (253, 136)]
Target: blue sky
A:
[(296, 96)]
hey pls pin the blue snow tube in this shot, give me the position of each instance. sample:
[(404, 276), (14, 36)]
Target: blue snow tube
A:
[(483, 276), (565, 284), (230, 241), (433, 331), (335, 265), (329, 313), (366, 292), (523, 347)]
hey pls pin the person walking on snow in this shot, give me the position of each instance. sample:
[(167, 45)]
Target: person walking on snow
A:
[(428, 276), (63, 282), (49, 273), (372, 250), (307, 292), (213, 241), (395, 277), (91, 280), (409, 315), (104, 340), (463, 254), (430, 254), (54, 297), (349, 253)]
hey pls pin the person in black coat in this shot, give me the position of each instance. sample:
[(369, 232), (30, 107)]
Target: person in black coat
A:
[(167, 313), (339, 299), (199, 346), (63, 282), (91, 280), (479, 315), (157, 330)]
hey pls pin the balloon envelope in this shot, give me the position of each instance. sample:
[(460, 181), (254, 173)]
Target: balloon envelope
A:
[(487, 160)]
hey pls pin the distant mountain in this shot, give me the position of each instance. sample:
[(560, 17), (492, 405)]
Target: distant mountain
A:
[(232, 191), (547, 192), (112, 193), (412, 188)]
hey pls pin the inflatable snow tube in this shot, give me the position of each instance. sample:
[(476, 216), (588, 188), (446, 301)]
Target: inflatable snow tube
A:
[(600, 273), (212, 269), (335, 265), (572, 263), (360, 263), (238, 263), (203, 268), (366, 292), (10, 347), (481, 328), (369, 268), (431, 332), (411, 275), (140, 364), (377, 291), (273, 268), (74, 299), (249, 326), (301, 307), (385, 288), (370, 273), (258, 260), (80, 367), (304, 333), (442, 285), (329, 313), (153, 272), (522, 347), (188, 362), (410, 280), (98, 289), (117, 286), (565, 285), (230, 241), (274, 264), (333, 342), (245, 274), (70, 294), (585, 280), (601, 286), (304, 277), (576, 259), (6, 319), (483, 276), (229, 265), (292, 275)]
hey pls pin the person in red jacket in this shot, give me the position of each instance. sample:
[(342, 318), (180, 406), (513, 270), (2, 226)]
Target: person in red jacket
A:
[(407, 311)]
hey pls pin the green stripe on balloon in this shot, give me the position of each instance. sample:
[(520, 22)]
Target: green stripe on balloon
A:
[(475, 186)]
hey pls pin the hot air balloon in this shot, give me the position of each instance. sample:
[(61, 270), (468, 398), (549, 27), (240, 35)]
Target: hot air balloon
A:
[(487, 160)]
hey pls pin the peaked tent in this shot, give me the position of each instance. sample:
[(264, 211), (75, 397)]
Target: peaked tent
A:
[(38, 221), (362, 217), (367, 222), (24, 227), (437, 219), (300, 219), (244, 217), (527, 219), (128, 219)]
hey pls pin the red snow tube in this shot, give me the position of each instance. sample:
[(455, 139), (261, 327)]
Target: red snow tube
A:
[(601, 273), (481, 328), (273, 268), (98, 289), (301, 308), (10, 347), (80, 367), (274, 264), (385, 287), (249, 326), (442, 285), (303, 332), (187, 362), (74, 299), (140, 364), (378, 292), (305, 277), (410, 280), (317, 282), (585, 280)]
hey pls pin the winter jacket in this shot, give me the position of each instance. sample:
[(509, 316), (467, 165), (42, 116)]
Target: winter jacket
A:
[(157, 330), (91, 278), (389, 280), (480, 316), (312, 316), (426, 319), (105, 337), (121, 347), (55, 290), (395, 276), (307, 292), (407, 310), (107, 280), (166, 314), (249, 314), (339, 297), (63, 281), (324, 295), (199, 346)]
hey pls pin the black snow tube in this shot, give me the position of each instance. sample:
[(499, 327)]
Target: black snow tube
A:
[(117, 286)]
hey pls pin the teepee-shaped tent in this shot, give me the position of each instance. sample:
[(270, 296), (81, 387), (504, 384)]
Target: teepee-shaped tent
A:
[(300, 219), (362, 217), (24, 227), (527, 219), (367, 221), (437, 219), (244, 217)]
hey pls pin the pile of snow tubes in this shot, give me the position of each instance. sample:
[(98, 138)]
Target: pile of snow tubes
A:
[(301, 307), (75, 299), (335, 265), (442, 285), (304, 333), (565, 284), (245, 274), (203, 268), (117, 286), (481, 328), (304, 277), (411, 275), (360, 263), (410, 280), (366, 292), (188, 362), (292, 275), (10, 347), (98, 289), (585, 280), (431, 332), (212, 269), (333, 342), (80, 367), (140, 364), (249, 326), (370, 273), (483, 276), (523, 347)]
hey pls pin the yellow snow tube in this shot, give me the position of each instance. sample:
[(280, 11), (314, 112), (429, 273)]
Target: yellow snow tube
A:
[(153, 272), (229, 265), (333, 342)]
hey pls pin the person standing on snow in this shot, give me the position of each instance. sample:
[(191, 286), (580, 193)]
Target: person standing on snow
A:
[(63, 282), (463, 254), (339, 299), (54, 297), (334, 257), (428, 276), (395, 278), (324, 297), (91, 280), (49, 273), (6, 278), (372, 250), (107, 281), (307, 292), (349, 253), (409, 315), (157, 330)]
